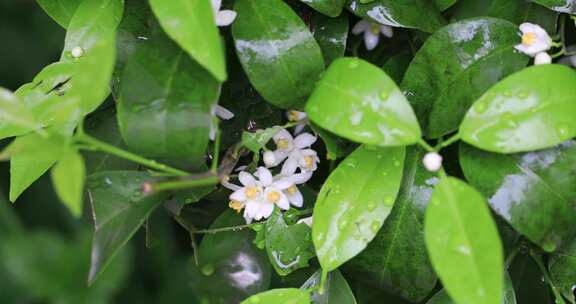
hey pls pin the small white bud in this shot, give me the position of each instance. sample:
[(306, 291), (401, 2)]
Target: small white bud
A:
[(542, 58), (432, 161), (77, 52), (269, 159), (306, 220)]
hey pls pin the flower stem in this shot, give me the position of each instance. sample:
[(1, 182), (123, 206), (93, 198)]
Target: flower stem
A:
[(557, 295), (194, 182), (107, 148), (225, 229), (449, 141), (425, 145), (215, 160)]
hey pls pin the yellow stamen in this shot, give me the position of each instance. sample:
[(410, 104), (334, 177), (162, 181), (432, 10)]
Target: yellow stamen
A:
[(273, 197), (308, 161), (236, 205), (283, 144), (375, 28), (251, 192), (293, 115), (292, 189), (529, 38)]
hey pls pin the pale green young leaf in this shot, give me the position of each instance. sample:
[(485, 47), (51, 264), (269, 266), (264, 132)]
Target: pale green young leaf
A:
[(60, 10), (14, 117), (68, 177), (280, 296)]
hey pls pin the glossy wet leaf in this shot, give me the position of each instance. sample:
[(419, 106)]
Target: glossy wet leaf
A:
[(277, 51), (166, 101), (336, 147), (280, 296), (562, 267), (68, 178), (230, 267), (191, 24), (119, 208), (470, 267), (419, 14), (385, 263), (442, 297), (60, 10), (527, 279), (30, 162), (517, 11), (455, 66), (331, 35), (336, 289), (347, 215), (15, 118), (358, 101), (529, 110), (257, 140), (533, 191), (444, 4), (563, 6), (331, 8), (396, 66), (289, 247)]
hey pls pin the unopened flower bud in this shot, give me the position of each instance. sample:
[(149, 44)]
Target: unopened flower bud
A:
[(432, 161), (269, 159), (542, 58)]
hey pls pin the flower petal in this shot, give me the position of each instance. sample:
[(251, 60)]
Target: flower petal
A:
[(282, 134), (223, 113), (280, 156), (289, 166), (360, 27), (246, 179), (296, 198), (266, 210), (216, 4), (225, 17), (283, 202), (371, 40), (264, 176), (300, 178), (304, 140), (387, 31), (283, 183), (239, 195)]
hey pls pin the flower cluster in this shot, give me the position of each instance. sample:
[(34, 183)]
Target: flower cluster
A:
[(261, 191), (535, 43)]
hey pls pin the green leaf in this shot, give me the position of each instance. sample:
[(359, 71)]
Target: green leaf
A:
[(277, 51), (358, 101), (336, 147), (289, 247), (419, 14), (331, 35), (166, 101), (396, 66), (230, 267), (331, 8), (534, 192), (469, 266), (529, 110), (336, 289), (119, 208), (280, 296), (509, 295), (348, 215), (384, 263), (15, 118), (191, 24), (563, 6), (444, 4), (562, 267), (527, 279), (60, 10), (68, 177), (35, 154), (455, 66), (257, 140), (517, 11)]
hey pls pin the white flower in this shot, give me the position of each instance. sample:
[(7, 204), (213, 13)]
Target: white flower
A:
[(432, 161), (297, 116), (305, 159), (286, 144), (222, 113), (269, 159), (372, 32), (258, 196), (292, 192), (534, 39), (542, 58), (222, 17)]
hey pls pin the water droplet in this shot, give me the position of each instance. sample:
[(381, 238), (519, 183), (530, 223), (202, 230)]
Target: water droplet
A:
[(342, 223), (522, 94), (563, 130), (371, 206), (384, 95), (351, 162), (463, 249), (507, 93), (353, 64), (319, 237), (480, 107), (375, 226), (384, 173), (207, 269), (108, 181), (389, 200), (397, 163)]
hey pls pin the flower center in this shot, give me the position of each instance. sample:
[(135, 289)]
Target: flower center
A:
[(528, 38), (283, 144), (293, 115), (308, 161), (273, 197), (292, 189), (236, 205), (252, 192), (375, 28)]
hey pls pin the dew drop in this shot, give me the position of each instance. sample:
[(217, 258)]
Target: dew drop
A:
[(108, 181), (480, 107), (353, 64), (384, 173), (463, 249), (397, 163), (342, 223), (207, 269), (562, 130), (384, 95), (389, 200), (319, 237), (371, 206), (351, 162), (375, 226), (522, 94)]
